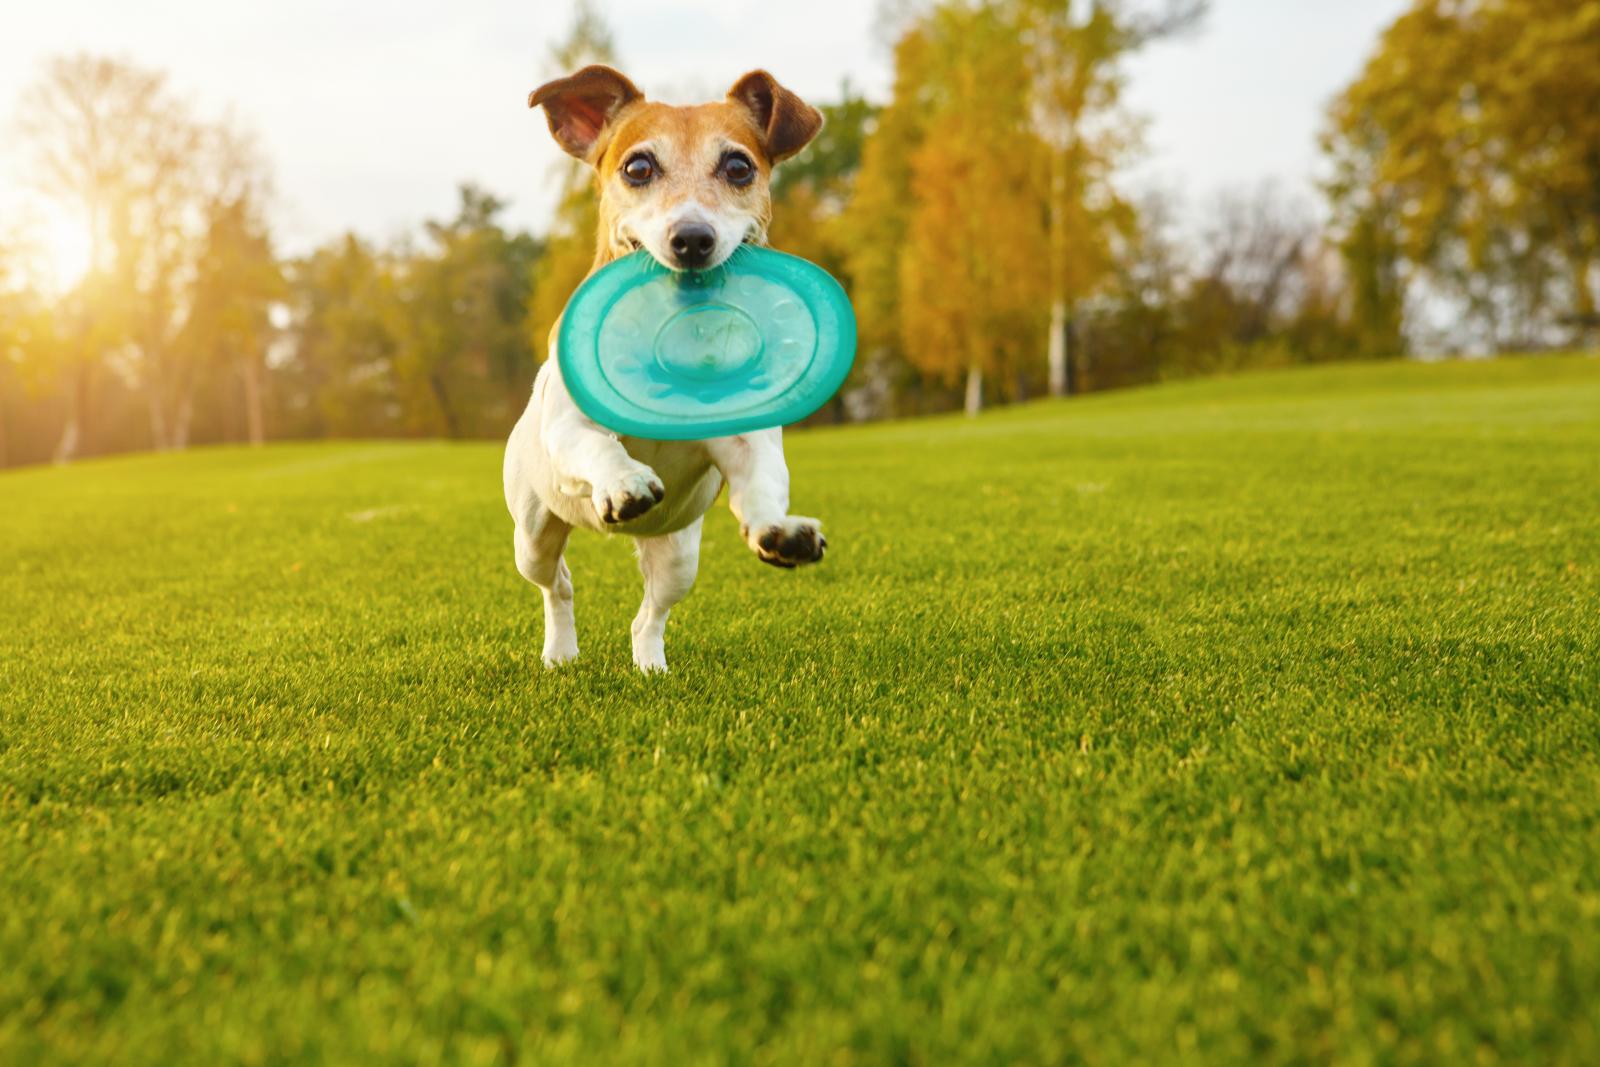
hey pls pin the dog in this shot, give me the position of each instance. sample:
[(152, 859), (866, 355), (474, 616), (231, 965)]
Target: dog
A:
[(688, 185)]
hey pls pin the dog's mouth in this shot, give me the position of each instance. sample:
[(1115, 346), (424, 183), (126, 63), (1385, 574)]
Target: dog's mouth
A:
[(627, 244)]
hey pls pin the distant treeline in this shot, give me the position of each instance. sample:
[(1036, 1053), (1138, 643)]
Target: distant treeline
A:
[(979, 219)]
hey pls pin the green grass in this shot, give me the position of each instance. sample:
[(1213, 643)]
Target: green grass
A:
[(1241, 721)]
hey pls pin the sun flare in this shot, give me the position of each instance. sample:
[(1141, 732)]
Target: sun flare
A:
[(68, 247)]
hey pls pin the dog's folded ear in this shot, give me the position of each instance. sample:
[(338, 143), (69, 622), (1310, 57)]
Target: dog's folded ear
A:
[(787, 123), (579, 107)]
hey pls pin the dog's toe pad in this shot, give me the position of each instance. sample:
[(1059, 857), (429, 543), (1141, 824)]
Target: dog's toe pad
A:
[(790, 543)]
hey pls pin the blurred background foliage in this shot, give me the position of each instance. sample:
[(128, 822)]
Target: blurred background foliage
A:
[(979, 218)]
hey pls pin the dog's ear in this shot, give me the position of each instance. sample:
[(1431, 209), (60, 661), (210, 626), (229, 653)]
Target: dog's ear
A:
[(787, 123), (579, 108)]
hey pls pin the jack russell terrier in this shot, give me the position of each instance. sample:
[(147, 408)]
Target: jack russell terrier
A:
[(688, 185)]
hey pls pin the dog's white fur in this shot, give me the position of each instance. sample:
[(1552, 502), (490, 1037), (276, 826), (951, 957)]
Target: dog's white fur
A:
[(564, 470)]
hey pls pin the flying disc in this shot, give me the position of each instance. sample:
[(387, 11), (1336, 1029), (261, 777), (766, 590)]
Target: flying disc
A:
[(762, 340)]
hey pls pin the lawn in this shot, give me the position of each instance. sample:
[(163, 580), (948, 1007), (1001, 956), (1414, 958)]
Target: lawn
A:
[(1253, 720)]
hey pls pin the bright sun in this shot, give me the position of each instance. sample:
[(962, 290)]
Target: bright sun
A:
[(68, 247)]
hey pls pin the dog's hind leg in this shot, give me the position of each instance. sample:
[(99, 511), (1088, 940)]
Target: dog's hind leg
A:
[(539, 548), (669, 565)]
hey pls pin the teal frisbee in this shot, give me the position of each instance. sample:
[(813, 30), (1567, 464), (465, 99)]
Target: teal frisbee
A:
[(762, 340)]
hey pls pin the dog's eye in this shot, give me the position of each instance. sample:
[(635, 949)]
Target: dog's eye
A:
[(737, 169), (638, 170)]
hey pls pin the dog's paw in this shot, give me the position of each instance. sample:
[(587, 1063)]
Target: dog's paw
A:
[(650, 660), (628, 497), (789, 542), (560, 651)]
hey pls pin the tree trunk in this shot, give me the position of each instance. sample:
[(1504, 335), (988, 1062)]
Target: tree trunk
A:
[(158, 419), (451, 425), (974, 403), (67, 446), (255, 426), (182, 419), (1060, 366), (70, 445), (1065, 379), (1058, 344), (1585, 318), (1077, 357)]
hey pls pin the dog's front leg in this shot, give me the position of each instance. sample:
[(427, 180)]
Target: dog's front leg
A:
[(758, 493), (590, 461)]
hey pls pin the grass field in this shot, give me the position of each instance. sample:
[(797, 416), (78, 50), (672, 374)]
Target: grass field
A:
[(1241, 721)]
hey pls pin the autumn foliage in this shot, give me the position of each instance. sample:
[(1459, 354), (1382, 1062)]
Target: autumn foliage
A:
[(981, 217)]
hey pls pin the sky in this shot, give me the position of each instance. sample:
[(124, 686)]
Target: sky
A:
[(372, 113)]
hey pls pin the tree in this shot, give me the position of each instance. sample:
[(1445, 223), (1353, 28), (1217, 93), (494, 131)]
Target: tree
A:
[(426, 337), (872, 227), (1467, 156), (1255, 250), (1053, 137), (462, 351), (1135, 333), (26, 325), (570, 248), (1258, 285), (1075, 53), (342, 351), (111, 144), (974, 245), (810, 193), (232, 284), (97, 131), (237, 283)]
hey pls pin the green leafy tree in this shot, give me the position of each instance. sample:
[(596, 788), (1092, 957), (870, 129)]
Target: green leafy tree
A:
[(341, 374), (237, 283), (462, 355), (237, 280)]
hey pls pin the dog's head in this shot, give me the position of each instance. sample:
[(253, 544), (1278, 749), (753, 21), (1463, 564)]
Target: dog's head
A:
[(688, 184)]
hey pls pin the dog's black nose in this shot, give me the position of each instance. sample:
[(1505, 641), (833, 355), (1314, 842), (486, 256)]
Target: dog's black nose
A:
[(692, 244)]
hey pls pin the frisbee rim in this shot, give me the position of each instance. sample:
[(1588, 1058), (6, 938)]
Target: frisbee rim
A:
[(826, 301)]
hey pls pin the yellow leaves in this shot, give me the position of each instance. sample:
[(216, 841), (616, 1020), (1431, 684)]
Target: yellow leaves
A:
[(975, 261), (984, 157), (567, 260), (986, 192), (1480, 123), (874, 224)]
